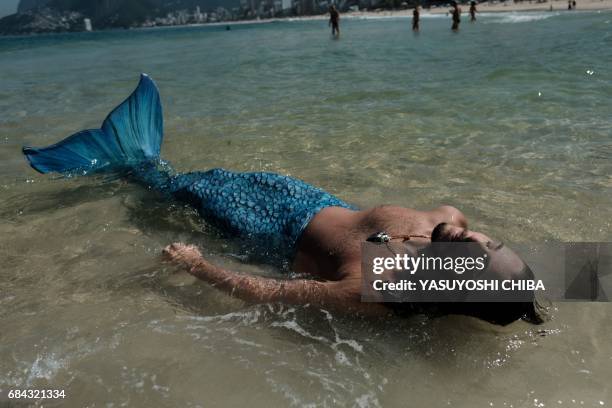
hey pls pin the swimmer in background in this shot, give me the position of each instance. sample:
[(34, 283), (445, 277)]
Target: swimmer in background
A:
[(456, 15), (473, 11), (415, 18), (282, 221), (334, 20)]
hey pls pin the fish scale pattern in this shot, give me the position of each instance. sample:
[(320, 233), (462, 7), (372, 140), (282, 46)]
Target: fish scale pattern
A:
[(268, 208)]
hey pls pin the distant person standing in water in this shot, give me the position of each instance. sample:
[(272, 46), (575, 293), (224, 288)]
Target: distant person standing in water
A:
[(569, 4), (574, 4), (334, 20), (416, 16), (473, 11), (456, 14)]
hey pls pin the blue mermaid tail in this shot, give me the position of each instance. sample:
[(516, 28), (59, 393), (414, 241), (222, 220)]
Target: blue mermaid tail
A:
[(267, 209), (130, 135)]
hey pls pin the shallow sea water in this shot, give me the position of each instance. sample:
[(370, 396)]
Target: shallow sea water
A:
[(509, 120)]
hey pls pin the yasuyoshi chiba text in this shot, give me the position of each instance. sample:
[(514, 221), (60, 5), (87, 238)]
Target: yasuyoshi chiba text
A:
[(440, 285)]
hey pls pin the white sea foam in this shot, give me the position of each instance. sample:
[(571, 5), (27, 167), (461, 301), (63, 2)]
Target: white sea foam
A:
[(45, 366), (516, 17), (486, 18)]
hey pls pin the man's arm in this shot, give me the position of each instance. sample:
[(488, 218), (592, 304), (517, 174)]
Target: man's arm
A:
[(259, 289), (255, 289), (341, 295)]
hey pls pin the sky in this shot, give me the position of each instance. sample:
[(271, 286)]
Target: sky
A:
[(8, 7)]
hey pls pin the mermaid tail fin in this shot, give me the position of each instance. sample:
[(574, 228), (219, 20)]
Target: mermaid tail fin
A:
[(130, 135)]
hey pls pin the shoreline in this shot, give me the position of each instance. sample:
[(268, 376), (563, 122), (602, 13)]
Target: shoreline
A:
[(484, 7), (494, 7)]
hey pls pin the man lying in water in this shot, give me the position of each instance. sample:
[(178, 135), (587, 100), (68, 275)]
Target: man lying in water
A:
[(329, 250), (285, 218)]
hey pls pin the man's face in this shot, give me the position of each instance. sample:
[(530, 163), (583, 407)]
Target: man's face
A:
[(503, 263)]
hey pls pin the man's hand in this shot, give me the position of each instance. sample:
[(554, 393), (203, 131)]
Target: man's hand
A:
[(182, 254)]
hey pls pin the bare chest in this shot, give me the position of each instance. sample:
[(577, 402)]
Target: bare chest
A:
[(333, 239)]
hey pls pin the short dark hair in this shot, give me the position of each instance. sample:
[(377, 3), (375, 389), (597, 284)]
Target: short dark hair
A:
[(499, 313), (504, 313)]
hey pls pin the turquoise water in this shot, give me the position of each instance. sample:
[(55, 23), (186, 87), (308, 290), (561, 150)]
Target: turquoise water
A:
[(508, 120)]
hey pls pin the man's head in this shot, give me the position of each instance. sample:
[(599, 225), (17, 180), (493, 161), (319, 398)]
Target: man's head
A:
[(502, 264)]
